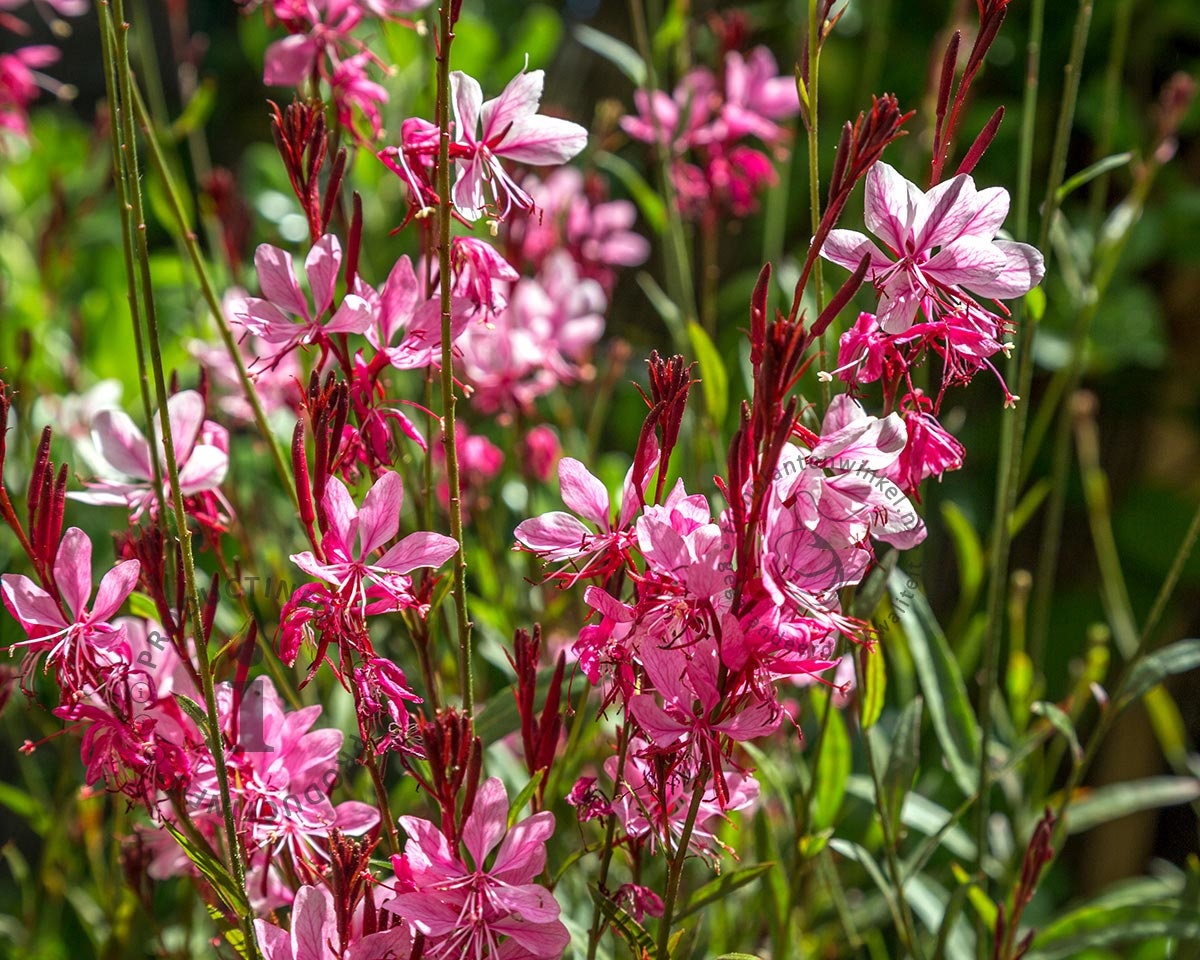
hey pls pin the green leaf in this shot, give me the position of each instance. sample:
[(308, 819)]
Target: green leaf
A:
[(142, 606), (714, 380), (722, 887), (233, 935), (197, 112), (1035, 304), (832, 772), (213, 871), (632, 931), (941, 681), (983, 905), (652, 206), (1116, 800), (1061, 722), (1090, 173), (526, 794), (25, 806), (874, 684), (619, 54), (902, 764), (1098, 926), (1028, 505), (1179, 657)]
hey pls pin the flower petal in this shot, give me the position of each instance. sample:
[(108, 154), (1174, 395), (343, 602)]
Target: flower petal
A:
[(487, 822), (122, 444), (519, 100), (343, 514), (115, 586), (891, 206), (30, 604), (379, 518), (466, 97), (322, 265), (542, 141), (846, 248), (967, 261), (277, 278), (73, 570), (420, 549), (582, 492), (1023, 270)]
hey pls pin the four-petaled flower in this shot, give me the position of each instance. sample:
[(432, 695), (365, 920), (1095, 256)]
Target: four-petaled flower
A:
[(955, 220)]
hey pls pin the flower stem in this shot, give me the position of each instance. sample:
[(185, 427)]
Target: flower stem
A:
[(445, 208), (115, 36), (814, 167), (675, 867)]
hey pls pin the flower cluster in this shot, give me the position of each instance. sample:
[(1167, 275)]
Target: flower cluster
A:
[(707, 125)]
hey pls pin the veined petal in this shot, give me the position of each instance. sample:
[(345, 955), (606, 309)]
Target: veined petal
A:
[(420, 549), (121, 444), (898, 303), (30, 604), (468, 189), (355, 315), (1023, 270), (379, 518), (277, 279), (943, 213), (288, 62), (115, 586), (542, 141), (991, 209), (73, 570), (891, 206), (582, 492), (466, 96), (322, 265), (967, 262), (342, 513), (846, 248), (522, 855), (557, 534), (273, 941), (487, 822), (314, 925), (519, 99)]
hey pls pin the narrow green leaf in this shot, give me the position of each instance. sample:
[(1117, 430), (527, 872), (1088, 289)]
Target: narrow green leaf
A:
[(651, 205), (874, 684), (213, 871), (198, 110), (902, 764), (633, 932), (1179, 657), (141, 605), (967, 548), (1116, 800), (1028, 505), (832, 772), (1093, 926), (722, 887), (714, 380), (1090, 173), (941, 682), (1061, 722), (522, 798), (983, 905), (619, 54)]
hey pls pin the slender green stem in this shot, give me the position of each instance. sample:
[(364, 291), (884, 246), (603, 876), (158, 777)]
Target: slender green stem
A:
[(445, 208), (1111, 109), (117, 34), (1013, 435), (675, 867), (610, 833)]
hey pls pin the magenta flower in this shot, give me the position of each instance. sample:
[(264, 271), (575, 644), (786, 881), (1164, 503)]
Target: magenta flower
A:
[(271, 316), (355, 534), (201, 455), (20, 83), (944, 247), (84, 646), (756, 95), (511, 129), (472, 910), (314, 934)]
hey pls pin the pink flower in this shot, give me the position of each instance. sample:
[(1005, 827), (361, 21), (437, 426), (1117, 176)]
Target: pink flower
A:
[(83, 647), (756, 95), (507, 127), (481, 274), (953, 219), (314, 934), (400, 309), (475, 910), (271, 317), (930, 450), (354, 534), (201, 455), (20, 84), (542, 451)]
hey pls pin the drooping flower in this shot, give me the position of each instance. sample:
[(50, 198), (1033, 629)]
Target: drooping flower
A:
[(507, 127), (473, 909), (942, 247)]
